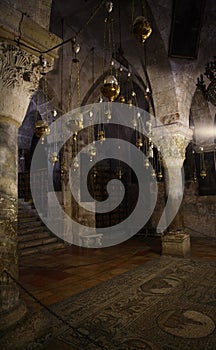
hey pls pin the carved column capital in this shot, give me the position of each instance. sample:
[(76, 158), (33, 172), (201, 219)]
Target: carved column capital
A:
[(173, 150), (20, 73), (172, 141), (19, 67)]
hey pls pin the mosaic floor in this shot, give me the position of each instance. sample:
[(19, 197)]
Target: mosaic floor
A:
[(58, 275)]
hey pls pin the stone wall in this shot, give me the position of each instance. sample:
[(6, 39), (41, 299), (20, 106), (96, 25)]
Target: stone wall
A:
[(38, 10), (199, 213)]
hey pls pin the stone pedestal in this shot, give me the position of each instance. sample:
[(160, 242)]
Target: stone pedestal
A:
[(176, 244), (12, 315)]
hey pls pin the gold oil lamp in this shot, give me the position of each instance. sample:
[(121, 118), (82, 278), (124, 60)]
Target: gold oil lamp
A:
[(119, 173), (153, 174), (147, 163), (160, 175), (195, 179), (76, 50), (92, 153), (101, 136), (95, 173), (203, 174), (108, 115), (139, 142), (64, 169), (110, 88), (54, 158), (141, 28), (41, 129), (75, 136), (75, 164), (159, 165), (130, 103), (121, 99)]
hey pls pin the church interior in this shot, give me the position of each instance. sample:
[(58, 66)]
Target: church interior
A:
[(108, 174)]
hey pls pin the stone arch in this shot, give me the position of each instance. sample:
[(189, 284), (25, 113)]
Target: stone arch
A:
[(139, 87), (163, 89), (184, 72)]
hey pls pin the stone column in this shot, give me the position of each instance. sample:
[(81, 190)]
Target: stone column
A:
[(20, 71), (18, 81), (174, 240)]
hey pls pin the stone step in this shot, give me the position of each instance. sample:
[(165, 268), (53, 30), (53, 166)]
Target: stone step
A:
[(36, 242), (41, 249), (25, 225), (26, 213), (28, 219), (32, 236), (24, 205), (31, 230)]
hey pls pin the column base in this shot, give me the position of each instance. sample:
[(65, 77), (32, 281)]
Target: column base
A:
[(12, 316), (176, 244)]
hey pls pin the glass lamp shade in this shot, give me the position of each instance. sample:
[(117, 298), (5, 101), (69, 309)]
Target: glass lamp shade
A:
[(110, 88)]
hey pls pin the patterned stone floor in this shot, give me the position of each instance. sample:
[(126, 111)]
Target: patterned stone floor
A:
[(57, 275)]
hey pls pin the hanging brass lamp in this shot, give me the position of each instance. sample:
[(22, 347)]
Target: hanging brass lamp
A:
[(160, 175), (119, 173), (76, 50), (122, 99), (110, 88), (139, 142), (75, 164), (54, 158), (101, 135), (195, 178), (92, 152), (153, 174), (41, 129), (203, 173), (141, 28)]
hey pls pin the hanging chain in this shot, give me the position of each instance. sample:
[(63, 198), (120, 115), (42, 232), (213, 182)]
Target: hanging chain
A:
[(93, 73), (96, 9), (78, 85), (46, 97), (53, 313), (70, 88), (104, 46)]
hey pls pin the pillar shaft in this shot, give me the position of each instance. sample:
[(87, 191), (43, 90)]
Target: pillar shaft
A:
[(21, 69), (174, 191), (8, 213), (9, 291), (19, 78), (174, 240), (18, 81)]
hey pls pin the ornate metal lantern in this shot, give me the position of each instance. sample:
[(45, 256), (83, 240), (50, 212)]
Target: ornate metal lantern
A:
[(41, 129), (141, 28), (110, 88)]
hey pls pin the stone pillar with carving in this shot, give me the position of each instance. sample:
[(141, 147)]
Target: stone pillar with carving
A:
[(173, 145), (19, 76), (21, 67)]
